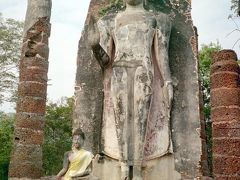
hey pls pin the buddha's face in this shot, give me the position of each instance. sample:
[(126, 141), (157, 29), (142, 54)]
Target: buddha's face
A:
[(77, 141), (134, 2)]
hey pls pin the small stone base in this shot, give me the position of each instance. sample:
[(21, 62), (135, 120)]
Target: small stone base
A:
[(160, 168)]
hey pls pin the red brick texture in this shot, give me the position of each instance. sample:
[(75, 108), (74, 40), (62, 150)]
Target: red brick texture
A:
[(225, 97), (29, 121), (225, 115), (26, 156), (226, 129)]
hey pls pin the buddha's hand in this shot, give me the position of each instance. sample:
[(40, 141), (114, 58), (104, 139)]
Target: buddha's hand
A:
[(76, 175), (93, 33), (168, 88)]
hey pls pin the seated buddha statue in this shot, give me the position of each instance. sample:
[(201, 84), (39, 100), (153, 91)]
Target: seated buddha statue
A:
[(77, 163)]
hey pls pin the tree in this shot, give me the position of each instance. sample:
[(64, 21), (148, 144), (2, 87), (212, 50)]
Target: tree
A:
[(57, 137), (6, 133), (57, 134), (235, 7), (10, 43), (205, 57)]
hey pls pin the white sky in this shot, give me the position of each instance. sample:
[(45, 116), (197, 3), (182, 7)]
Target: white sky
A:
[(210, 17)]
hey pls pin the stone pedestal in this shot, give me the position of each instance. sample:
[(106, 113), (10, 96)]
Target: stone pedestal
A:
[(162, 168)]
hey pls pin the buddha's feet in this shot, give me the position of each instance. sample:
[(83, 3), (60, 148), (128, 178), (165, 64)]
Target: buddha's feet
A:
[(124, 172)]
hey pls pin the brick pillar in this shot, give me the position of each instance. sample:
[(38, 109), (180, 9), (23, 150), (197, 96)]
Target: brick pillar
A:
[(225, 115), (26, 156)]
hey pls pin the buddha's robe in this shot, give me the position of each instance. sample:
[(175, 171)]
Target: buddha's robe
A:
[(78, 164)]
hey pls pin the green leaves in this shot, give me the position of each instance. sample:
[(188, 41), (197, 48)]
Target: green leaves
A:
[(10, 48), (205, 58), (234, 8), (6, 133), (57, 135)]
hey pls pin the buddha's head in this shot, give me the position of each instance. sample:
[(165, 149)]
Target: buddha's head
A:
[(78, 139)]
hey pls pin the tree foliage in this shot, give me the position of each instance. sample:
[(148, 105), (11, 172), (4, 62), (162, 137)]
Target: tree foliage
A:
[(205, 57), (10, 46), (6, 133), (57, 135), (234, 6)]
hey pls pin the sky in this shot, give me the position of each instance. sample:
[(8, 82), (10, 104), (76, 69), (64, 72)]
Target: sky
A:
[(209, 16)]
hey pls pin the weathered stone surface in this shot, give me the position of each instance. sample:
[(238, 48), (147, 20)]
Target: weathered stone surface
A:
[(138, 89), (183, 65), (225, 115), (26, 156), (154, 169), (89, 88), (185, 111), (205, 166)]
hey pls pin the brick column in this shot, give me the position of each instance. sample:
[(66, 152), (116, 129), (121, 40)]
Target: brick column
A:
[(26, 156), (225, 115)]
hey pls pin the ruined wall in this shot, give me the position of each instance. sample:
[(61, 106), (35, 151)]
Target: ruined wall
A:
[(204, 158), (225, 115), (185, 115), (88, 88), (26, 156)]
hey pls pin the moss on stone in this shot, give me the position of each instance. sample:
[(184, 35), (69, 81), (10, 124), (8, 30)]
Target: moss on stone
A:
[(112, 7), (165, 6)]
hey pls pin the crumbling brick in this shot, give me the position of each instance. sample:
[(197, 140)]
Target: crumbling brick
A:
[(225, 97), (26, 156), (225, 115)]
